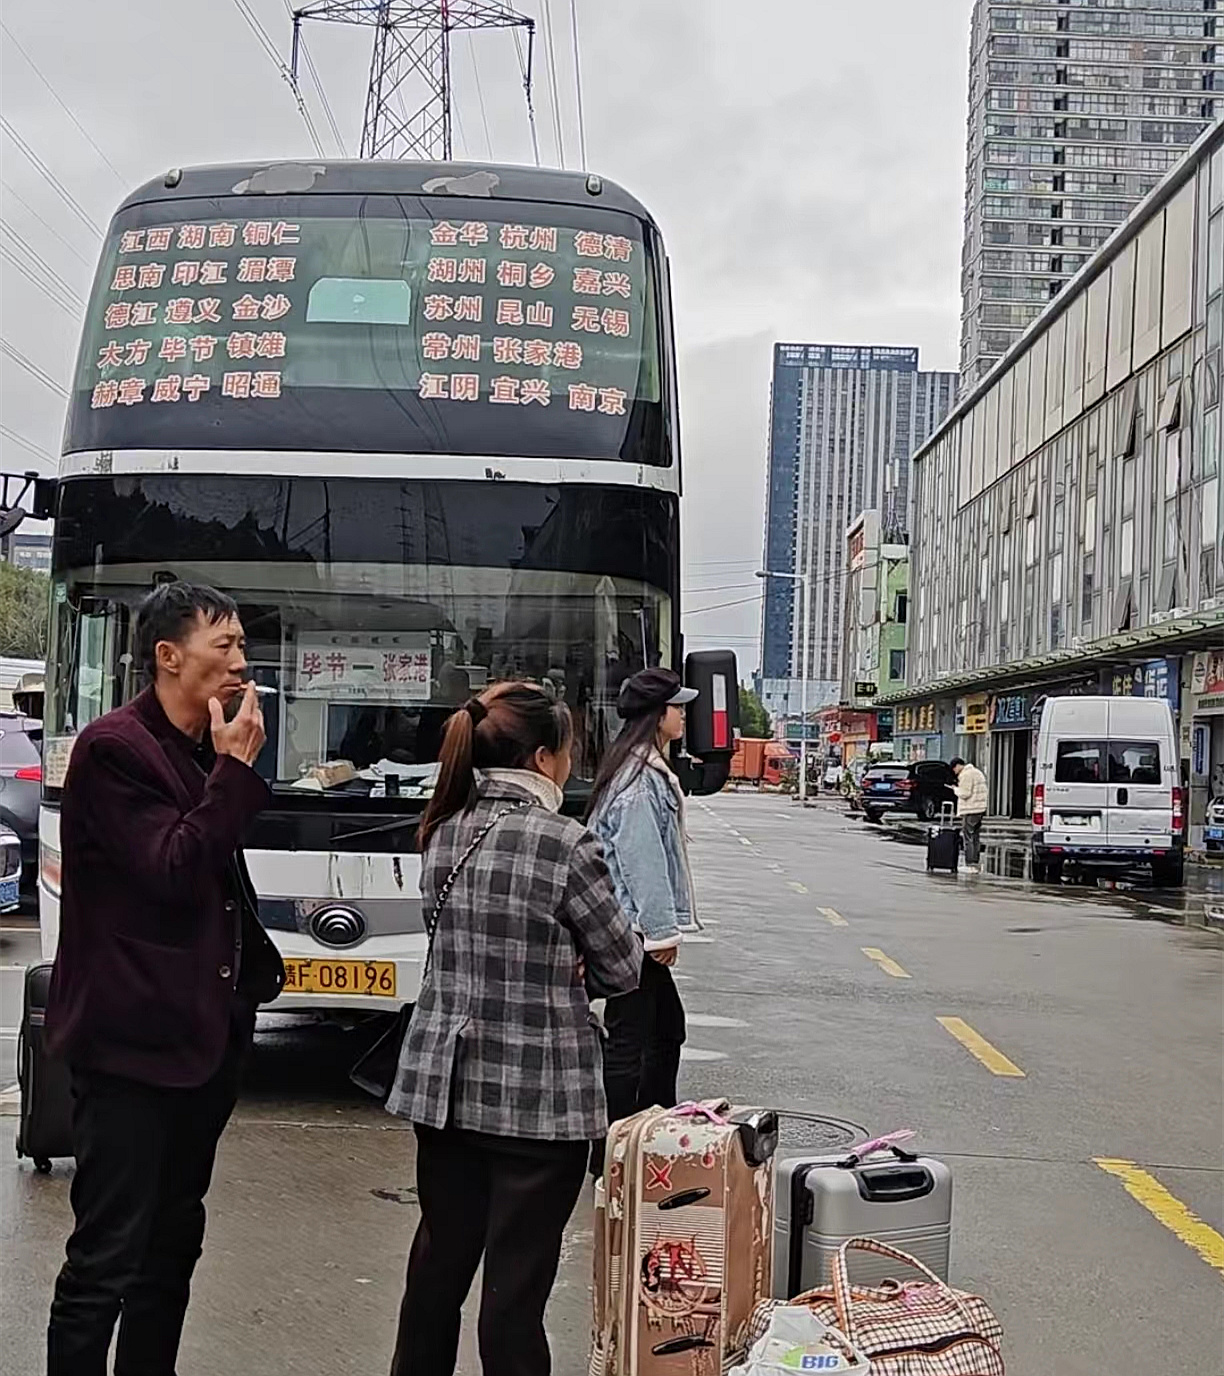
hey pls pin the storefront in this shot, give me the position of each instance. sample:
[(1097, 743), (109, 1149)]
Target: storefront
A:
[(1204, 722), (972, 724), (1011, 753), (916, 734), (858, 734)]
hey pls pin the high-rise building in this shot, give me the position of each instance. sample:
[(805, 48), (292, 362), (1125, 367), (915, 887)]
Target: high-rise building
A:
[(844, 421), (1077, 109)]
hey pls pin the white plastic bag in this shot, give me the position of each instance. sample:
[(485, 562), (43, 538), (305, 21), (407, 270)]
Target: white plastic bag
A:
[(798, 1341)]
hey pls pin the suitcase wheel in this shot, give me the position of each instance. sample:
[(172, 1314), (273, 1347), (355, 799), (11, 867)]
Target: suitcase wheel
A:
[(42, 1165)]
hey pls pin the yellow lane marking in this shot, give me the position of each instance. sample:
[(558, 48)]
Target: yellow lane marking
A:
[(973, 1042), (833, 917), (1167, 1209), (886, 963), (798, 888)]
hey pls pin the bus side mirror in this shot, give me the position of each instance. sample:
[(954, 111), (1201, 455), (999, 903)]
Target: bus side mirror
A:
[(711, 720)]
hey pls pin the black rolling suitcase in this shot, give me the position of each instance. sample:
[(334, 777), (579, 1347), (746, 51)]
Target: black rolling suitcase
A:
[(944, 841), (44, 1130)]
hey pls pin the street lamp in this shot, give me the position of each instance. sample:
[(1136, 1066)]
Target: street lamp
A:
[(805, 583)]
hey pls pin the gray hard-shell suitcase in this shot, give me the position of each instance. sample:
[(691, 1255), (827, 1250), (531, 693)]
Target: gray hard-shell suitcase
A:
[(944, 841), (44, 1129), (820, 1201)]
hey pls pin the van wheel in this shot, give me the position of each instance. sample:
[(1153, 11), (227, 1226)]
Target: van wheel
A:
[(1040, 871), (871, 814), (1169, 874)]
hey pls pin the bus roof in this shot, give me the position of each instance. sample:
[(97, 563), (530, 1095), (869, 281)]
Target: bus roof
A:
[(471, 180)]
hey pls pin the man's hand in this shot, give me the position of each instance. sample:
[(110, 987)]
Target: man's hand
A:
[(243, 737), (665, 957)]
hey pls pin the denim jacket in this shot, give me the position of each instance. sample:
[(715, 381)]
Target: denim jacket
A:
[(641, 824)]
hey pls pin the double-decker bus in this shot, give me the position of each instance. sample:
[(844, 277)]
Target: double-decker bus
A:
[(419, 420)]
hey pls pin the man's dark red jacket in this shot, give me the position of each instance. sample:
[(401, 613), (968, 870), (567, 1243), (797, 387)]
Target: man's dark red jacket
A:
[(161, 954)]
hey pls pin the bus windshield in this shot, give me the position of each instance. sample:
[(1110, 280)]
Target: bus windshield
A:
[(373, 323), (372, 607)]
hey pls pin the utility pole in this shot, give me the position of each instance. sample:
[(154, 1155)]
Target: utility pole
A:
[(408, 100)]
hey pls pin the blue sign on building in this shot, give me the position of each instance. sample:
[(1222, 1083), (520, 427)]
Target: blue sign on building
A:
[(1155, 678)]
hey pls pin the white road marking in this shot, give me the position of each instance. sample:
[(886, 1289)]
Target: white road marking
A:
[(833, 917), (712, 1020), (798, 888), (695, 1053), (698, 940), (11, 1095), (744, 841)]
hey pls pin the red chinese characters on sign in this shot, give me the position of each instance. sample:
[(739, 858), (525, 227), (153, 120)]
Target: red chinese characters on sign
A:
[(273, 307), (617, 284), (474, 233), (540, 315), (137, 352), (612, 401), (212, 272), (266, 385), (236, 385), (270, 344), (472, 270), (406, 667), (110, 355), (588, 282), (542, 275), (131, 391), (118, 315), (506, 349), (167, 388), (252, 269), (443, 270), (443, 235), (196, 385), (180, 310), (435, 345), (535, 389), (567, 353), (439, 308), (151, 275), (543, 239), (247, 307), (511, 273), (257, 233), (514, 236), (465, 387), (588, 244), (185, 272), (202, 347), (241, 344), (466, 347), (311, 666), (585, 318), (104, 394), (124, 278), (615, 323), (131, 241), (504, 390), (619, 249), (208, 309), (143, 313), (222, 236), (192, 236), (469, 308), (281, 269), (609, 401), (582, 396), (159, 240), (173, 348), (509, 311), (434, 386), (537, 353)]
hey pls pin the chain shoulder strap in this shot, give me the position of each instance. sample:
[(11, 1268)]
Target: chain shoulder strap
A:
[(431, 925)]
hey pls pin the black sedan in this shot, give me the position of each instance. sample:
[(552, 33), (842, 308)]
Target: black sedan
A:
[(21, 786), (921, 788)]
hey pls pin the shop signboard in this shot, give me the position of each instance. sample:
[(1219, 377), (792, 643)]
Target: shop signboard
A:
[(1154, 678), (1207, 681), (1011, 712), (917, 720), (972, 715)]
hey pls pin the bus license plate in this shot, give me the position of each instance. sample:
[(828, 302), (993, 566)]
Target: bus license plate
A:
[(375, 978)]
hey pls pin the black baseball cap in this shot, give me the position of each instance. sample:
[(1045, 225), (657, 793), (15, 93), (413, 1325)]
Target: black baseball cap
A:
[(651, 689)]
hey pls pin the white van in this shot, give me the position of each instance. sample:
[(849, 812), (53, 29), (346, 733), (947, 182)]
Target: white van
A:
[(1106, 789)]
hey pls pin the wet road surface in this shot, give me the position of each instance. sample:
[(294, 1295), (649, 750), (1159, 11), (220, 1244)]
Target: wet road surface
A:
[(1057, 1047)]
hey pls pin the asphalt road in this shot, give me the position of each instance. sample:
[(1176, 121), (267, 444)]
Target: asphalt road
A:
[(1077, 1030)]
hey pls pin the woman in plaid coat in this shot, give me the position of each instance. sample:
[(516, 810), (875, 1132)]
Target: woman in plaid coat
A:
[(500, 1071)]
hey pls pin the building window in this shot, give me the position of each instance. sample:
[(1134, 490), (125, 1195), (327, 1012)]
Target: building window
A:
[(896, 664)]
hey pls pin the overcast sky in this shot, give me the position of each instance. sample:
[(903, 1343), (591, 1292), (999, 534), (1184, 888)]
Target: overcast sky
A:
[(804, 158)]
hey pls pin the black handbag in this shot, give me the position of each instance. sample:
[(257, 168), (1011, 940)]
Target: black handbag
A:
[(375, 1070)]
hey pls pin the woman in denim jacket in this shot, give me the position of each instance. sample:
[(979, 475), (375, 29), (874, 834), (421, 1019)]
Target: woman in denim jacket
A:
[(637, 811)]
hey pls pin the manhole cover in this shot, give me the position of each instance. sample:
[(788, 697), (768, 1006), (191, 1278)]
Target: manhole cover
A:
[(817, 1133)]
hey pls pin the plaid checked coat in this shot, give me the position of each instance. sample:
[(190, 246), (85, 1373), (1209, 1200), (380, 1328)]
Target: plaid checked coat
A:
[(501, 1039)]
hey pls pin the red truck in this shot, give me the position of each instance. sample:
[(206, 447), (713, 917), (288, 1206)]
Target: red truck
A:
[(760, 761)]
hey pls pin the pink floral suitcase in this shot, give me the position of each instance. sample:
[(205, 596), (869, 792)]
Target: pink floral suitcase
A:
[(683, 1239)]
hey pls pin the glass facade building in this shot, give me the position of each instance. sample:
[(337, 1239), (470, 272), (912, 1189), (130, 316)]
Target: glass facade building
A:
[(1068, 518), (1077, 109), (844, 421)]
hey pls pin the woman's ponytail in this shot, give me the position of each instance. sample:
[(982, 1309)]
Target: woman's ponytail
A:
[(456, 782)]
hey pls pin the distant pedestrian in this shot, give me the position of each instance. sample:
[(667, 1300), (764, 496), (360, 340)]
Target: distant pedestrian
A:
[(500, 1070), (637, 811), (161, 963), (971, 809)]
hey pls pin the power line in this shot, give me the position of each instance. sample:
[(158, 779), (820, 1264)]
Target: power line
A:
[(50, 228), (578, 83), (525, 73), (65, 287), (46, 289), (265, 42), (718, 606), (57, 185), (32, 368), (551, 55), (314, 76), (27, 444), (484, 116), (55, 95)]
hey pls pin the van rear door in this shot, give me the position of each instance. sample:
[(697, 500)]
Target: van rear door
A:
[(1142, 771)]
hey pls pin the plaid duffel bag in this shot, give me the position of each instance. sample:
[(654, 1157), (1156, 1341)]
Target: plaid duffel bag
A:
[(920, 1328)]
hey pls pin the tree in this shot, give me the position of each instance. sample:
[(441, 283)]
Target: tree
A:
[(754, 719), (24, 600)]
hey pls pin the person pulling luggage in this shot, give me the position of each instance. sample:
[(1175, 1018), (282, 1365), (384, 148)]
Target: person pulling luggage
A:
[(637, 811), (970, 792), (500, 1069)]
